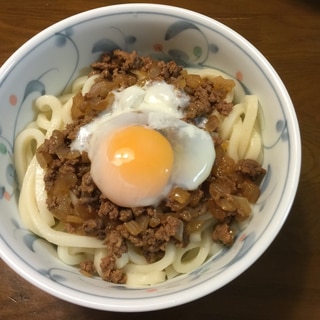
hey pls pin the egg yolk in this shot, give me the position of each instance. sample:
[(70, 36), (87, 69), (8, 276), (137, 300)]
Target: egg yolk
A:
[(140, 160)]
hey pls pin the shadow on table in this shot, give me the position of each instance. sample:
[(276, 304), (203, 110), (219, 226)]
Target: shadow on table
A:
[(310, 3)]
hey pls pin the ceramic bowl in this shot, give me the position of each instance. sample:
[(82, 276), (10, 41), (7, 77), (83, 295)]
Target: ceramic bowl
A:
[(53, 58)]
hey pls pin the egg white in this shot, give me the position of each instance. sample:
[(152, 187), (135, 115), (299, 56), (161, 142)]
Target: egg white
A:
[(160, 107)]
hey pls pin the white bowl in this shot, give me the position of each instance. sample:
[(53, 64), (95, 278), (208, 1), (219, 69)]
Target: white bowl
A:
[(52, 59)]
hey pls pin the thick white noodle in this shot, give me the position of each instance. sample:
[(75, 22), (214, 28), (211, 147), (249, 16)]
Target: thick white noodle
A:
[(88, 84), (98, 255), (122, 261), (41, 196), (25, 144), (229, 122), (239, 128), (251, 112), (145, 279), (156, 266), (194, 255), (234, 140), (254, 147), (147, 274), (66, 112), (49, 116), (74, 256), (135, 257)]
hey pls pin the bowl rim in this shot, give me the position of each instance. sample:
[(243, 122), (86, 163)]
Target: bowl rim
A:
[(265, 240)]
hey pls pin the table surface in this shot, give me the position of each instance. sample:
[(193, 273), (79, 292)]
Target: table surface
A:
[(284, 283)]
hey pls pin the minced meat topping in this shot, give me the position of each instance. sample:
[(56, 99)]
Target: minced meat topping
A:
[(74, 199)]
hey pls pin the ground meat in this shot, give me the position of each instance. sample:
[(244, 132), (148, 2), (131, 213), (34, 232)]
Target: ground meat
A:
[(125, 215), (223, 234), (116, 246), (74, 199), (110, 272), (224, 107), (250, 168), (118, 61), (87, 267), (169, 70), (108, 209)]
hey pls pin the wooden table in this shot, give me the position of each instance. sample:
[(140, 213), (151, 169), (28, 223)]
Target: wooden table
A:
[(285, 282)]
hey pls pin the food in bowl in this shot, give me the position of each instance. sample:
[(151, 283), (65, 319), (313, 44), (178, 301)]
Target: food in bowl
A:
[(49, 62), (144, 170)]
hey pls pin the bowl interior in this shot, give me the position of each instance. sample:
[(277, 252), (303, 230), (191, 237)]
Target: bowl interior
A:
[(50, 61)]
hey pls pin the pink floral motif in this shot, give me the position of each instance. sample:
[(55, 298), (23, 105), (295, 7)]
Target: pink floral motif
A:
[(243, 237), (239, 76), (6, 195), (158, 47), (13, 100)]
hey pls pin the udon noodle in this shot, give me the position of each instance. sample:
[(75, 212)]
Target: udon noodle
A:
[(241, 137)]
